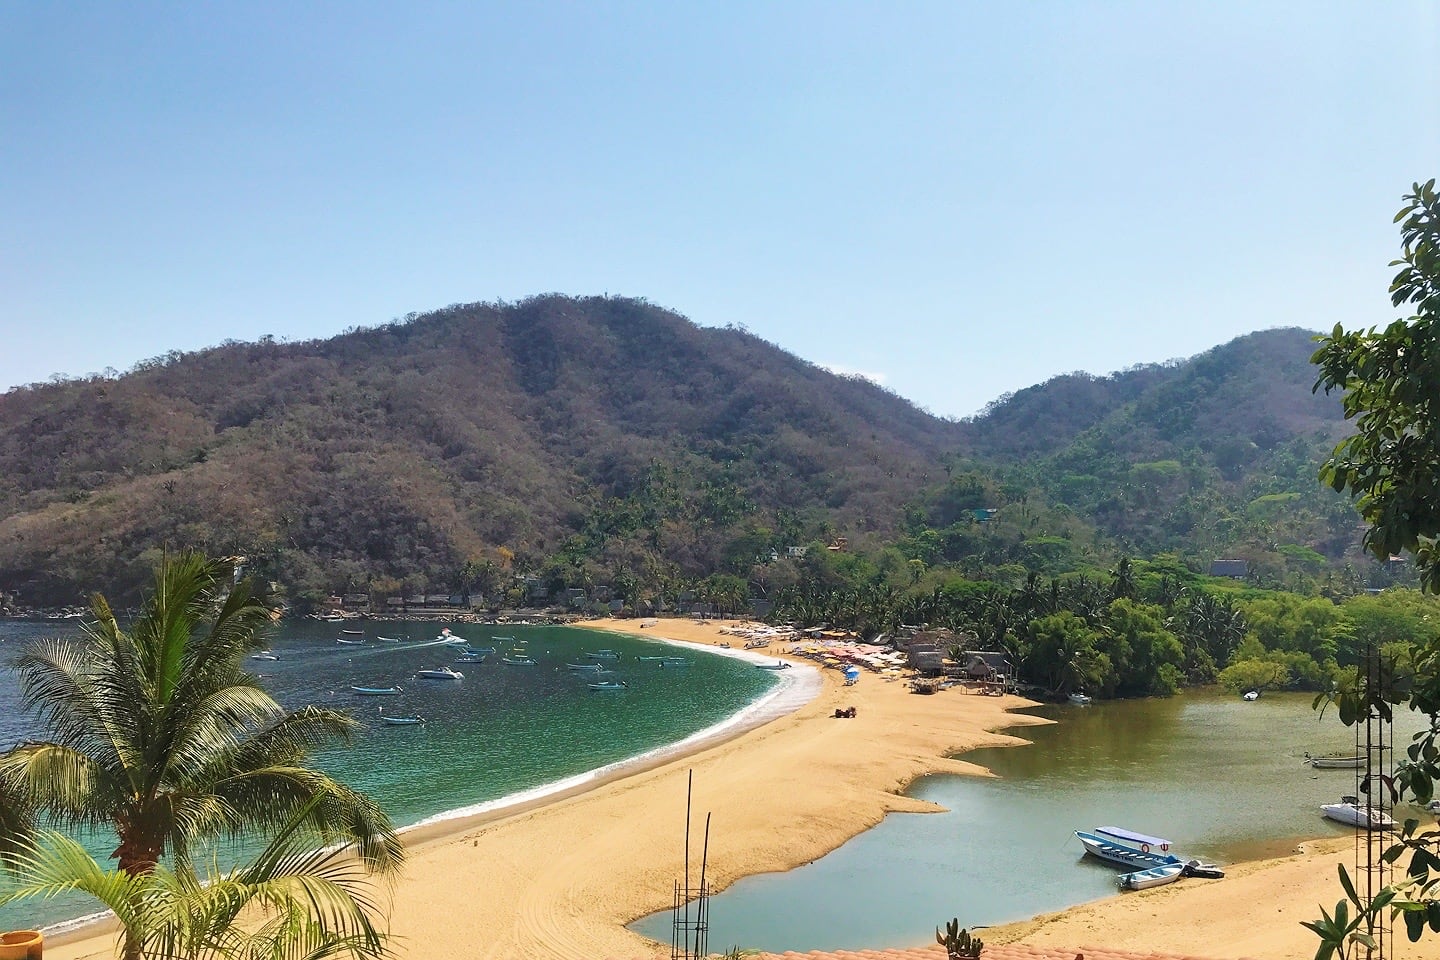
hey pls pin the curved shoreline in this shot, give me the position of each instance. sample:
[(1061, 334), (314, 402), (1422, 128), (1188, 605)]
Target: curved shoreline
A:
[(794, 688), (559, 877)]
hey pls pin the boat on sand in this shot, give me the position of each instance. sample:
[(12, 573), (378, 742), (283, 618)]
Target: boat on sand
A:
[(1154, 877), (1114, 851), (1351, 812)]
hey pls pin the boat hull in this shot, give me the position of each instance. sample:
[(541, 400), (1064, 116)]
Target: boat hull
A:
[(1154, 877), (376, 691), (1353, 815)]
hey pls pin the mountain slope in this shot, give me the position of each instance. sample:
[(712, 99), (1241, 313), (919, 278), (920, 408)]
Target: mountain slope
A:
[(400, 452)]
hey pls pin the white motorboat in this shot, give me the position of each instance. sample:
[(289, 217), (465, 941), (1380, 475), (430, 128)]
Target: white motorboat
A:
[(263, 655), (1154, 877), (377, 691), (1079, 699), (1336, 762), (1352, 813), (1142, 857), (608, 685), (440, 673)]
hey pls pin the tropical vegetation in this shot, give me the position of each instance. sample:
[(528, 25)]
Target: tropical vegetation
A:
[(159, 735)]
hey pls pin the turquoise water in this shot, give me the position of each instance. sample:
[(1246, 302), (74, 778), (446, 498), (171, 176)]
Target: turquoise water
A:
[(500, 731), (1220, 777)]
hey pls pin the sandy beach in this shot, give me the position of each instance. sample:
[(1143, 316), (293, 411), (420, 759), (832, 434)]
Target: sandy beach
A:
[(561, 876)]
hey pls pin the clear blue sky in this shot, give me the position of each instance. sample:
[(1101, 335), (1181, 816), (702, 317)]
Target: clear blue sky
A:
[(960, 199)]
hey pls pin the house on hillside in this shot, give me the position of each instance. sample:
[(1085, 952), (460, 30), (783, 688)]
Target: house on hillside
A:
[(1234, 569)]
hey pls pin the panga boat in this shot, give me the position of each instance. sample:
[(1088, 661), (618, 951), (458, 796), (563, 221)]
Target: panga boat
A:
[(477, 651), (608, 685), (388, 639), (263, 655), (603, 655), (502, 639), (595, 667), (377, 691), (349, 643), (470, 658), (440, 673), (674, 662), (1113, 851), (643, 659), (354, 633), (403, 721), (1349, 812), (1335, 762), (1079, 698), (519, 661), (1154, 877), (777, 665)]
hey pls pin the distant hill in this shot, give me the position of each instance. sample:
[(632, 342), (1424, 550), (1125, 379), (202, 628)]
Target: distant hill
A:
[(1213, 456), (481, 431), (603, 439)]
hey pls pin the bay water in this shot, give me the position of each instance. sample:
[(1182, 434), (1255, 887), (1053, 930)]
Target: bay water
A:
[(502, 733)]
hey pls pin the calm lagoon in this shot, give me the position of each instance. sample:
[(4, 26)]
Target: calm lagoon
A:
[(1222, 778)]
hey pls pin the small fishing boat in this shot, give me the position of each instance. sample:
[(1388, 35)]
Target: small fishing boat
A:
[(263, 655), (603, 655), (477, 651), (1334, 761), (1154, 877), (388, 639), (519, 661), (674, 662), (647, 659), (377, 691), (440, 673), (1079, 699), (777, 665), (1250, 696), (1113, 851), (354, 633), (510, 639), (349, 643), (470, 658), (593, 667), (1350, 812), (403, 721), (610, 685)]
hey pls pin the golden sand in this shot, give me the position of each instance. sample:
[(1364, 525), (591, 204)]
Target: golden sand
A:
[(561, 877)]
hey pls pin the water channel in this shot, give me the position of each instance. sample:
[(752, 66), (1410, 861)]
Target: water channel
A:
[(1222, 778)]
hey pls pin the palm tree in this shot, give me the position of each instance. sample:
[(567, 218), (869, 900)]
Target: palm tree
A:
[(159, 733), (296, 901)]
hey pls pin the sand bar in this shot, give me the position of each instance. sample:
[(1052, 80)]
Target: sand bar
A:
[(560, 876)]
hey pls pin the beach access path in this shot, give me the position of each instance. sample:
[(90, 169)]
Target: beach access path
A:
[(561, 876)]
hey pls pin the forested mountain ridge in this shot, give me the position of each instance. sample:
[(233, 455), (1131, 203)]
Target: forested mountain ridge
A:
[(591, 439), (398, 453)]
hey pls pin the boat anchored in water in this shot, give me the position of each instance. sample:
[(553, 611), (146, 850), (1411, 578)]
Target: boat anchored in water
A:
[(376, 691), (591, 667), (349, 643), (1079, 699), (519, 661), (263, 655), (603, 655), (440, 673), (608, 685), (403, 721), (1335, 761)]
